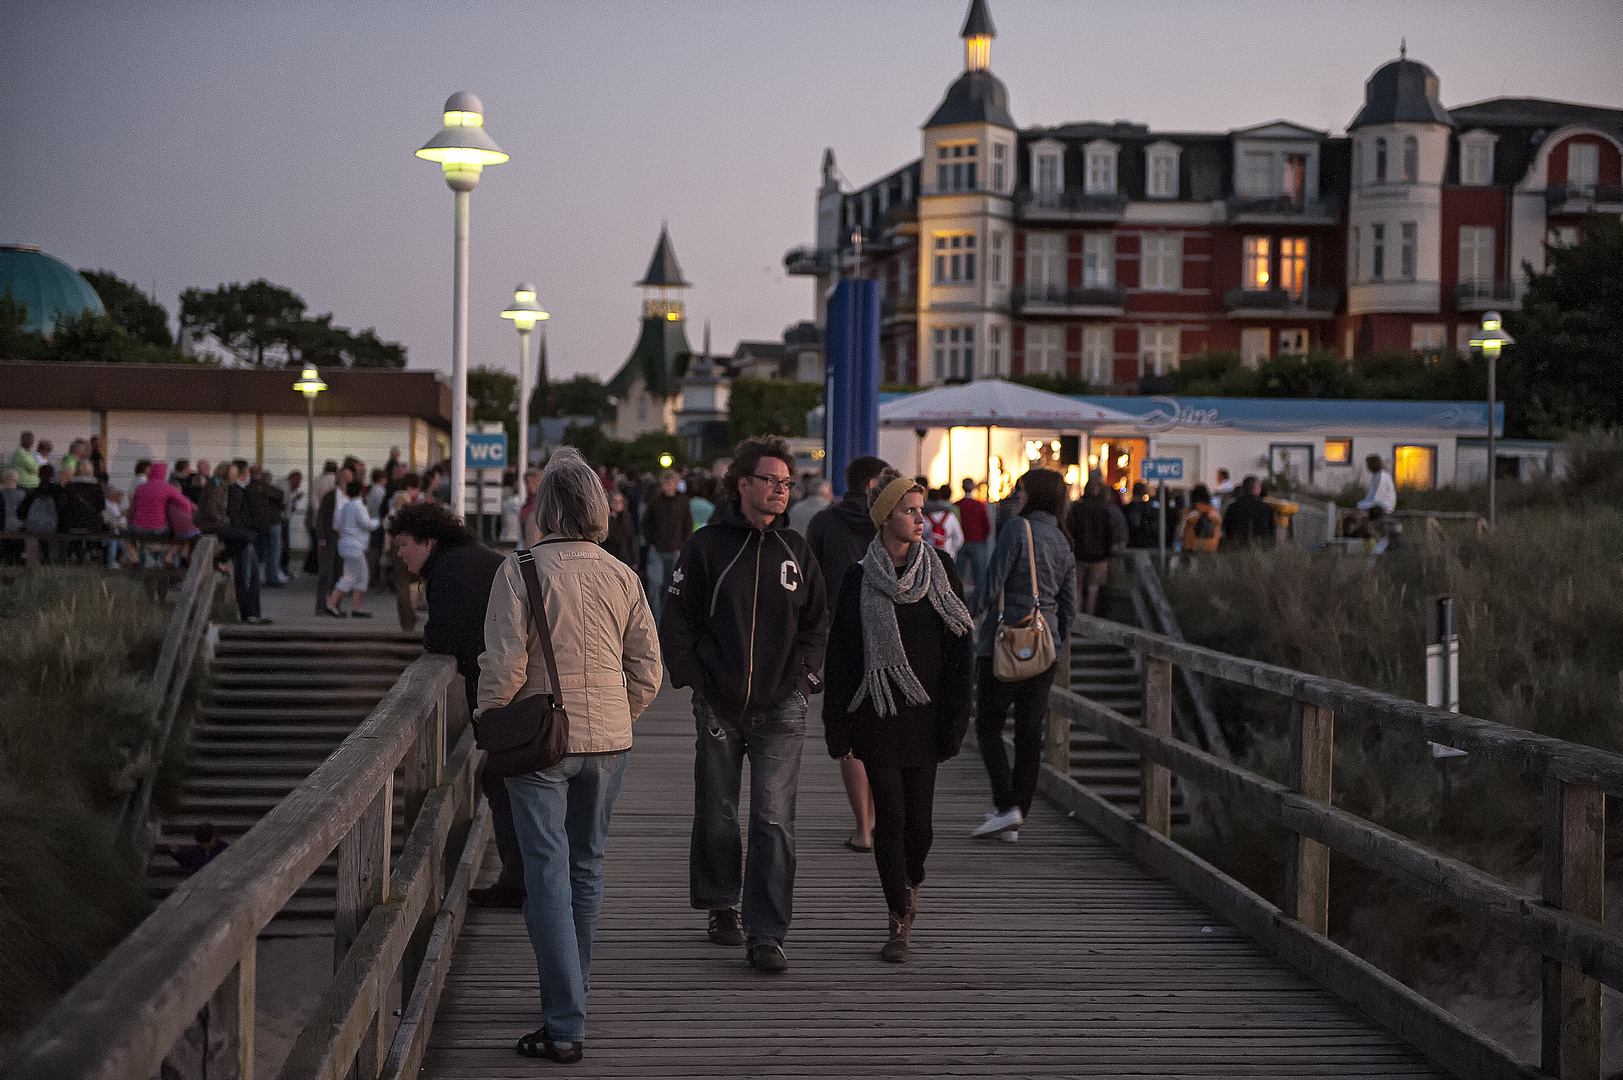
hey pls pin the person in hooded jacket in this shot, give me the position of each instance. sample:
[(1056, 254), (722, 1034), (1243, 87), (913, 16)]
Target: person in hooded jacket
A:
[(744, 626), (839, 536), (41, 510), (900, 672)]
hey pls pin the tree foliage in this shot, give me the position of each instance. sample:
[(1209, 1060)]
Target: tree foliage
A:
[(584, 395), (262, 321), (1563, 373), (494, 397), (771, 407), (1055, 384), (131, 308), (87, 337), (640, 455), (1393, 375)]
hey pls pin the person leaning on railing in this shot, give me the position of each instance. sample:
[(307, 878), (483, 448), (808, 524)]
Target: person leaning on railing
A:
[(609, 672)]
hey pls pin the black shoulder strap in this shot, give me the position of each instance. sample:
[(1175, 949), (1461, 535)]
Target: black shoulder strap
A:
[(538, 612)]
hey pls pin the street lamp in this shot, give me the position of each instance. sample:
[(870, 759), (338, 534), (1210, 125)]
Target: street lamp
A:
[(463, 149), (310, 385), (525, 313), (1491, 339)]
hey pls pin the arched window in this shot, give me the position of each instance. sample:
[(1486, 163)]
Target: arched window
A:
[(1411, 159), (1380, 161)]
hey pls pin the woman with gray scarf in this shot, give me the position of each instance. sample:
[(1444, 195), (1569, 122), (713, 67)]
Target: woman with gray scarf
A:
[(900, 671)]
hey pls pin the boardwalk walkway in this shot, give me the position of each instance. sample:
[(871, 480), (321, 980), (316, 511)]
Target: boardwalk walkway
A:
[(1056, 956)]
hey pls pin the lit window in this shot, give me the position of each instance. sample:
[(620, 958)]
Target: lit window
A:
[(1293, 343), (1411, 159), (1293, 265), (1098, 354), (1415, 466), (1406, 234), (1427, 337), (1377, 252), (1045, 350), (1583, 165), (1254, 345), (954, 258), (1163, 174), (1380, 161), (1098, 260), (1256, 263), (1294, 182), (1161, 264), (1338, 451), (1101, 176), (1157, 350)]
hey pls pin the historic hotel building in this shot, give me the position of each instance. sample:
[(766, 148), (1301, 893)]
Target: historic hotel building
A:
[(1109, 251)]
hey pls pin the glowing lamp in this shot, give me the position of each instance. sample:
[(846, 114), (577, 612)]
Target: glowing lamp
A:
[(1492, 337), (310, 383), (524, 311), (463, 147), (665, 461)]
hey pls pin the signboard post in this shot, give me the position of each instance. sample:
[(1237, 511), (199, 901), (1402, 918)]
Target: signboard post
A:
[(1162, 470), (1443, 664), (486, 450)]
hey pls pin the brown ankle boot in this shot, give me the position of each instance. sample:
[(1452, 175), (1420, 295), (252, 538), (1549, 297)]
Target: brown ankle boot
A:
[(901, 931)]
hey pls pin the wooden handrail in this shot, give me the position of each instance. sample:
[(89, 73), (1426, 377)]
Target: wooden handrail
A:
[(1563, 925), (123, 1018)]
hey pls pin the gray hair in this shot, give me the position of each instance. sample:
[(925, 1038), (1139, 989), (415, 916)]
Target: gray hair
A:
[(570, 501)]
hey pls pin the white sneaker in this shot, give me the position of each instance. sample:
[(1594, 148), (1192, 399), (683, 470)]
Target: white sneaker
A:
[(998, 823), (1010, 837)]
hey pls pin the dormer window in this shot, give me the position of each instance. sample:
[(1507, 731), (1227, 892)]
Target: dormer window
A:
[(1411, 160), (956, 167), (1476, 158), (1380, 161), (1048, 171), (1162, 178), (1100, 178)]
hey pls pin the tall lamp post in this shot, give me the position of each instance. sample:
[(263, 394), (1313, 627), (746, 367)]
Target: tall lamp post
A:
[(1491, 339), (310, 385), (463, 149), (525, 313)]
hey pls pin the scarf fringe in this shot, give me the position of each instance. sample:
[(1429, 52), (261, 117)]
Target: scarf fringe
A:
[(876, 686)]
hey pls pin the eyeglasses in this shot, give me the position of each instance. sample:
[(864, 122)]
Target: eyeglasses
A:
[(772, 482)]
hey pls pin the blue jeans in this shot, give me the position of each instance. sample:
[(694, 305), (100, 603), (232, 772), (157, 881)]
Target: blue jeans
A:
[(717, 872), (562, 816), (972, 563), (268, 545), (661, 565), (245, 578)]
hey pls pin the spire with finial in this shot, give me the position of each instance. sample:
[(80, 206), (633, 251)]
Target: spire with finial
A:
[(664, 274), (1403, 48), (978, 33)]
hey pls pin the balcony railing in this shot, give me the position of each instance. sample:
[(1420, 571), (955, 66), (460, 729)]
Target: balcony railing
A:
[(1578, 197), (1482, 295), (808, 260), (1295, 208), (1024, 297), (1069, 204), (1270, 302)]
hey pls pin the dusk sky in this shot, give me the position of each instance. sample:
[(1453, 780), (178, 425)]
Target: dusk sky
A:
[(181, 144)]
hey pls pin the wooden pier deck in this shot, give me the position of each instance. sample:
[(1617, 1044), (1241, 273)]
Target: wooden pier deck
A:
[(1055, 956)]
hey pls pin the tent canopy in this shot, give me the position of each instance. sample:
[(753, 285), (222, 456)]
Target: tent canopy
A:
[(995, 403)]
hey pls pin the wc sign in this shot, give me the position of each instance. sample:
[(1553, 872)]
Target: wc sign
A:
[(486, 451)]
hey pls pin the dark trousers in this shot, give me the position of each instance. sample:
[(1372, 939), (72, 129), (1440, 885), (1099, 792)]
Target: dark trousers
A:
[(903, 803), (327, 567), (501, 819), (285, 563), (245, 578), (1030, 700)]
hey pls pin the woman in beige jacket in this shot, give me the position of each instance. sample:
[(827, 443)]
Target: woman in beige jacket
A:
[(607, 651)]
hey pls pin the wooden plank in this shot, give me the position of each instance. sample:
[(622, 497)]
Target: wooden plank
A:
[(363, 884), (1574, 880), (1155, 785), (1307, 866)]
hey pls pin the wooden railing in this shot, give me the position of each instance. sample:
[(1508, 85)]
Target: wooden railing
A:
[(1563, 924), (199, 947)]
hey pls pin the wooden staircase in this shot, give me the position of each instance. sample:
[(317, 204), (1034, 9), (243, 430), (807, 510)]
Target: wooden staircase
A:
[(1110, 675), (281, 702)]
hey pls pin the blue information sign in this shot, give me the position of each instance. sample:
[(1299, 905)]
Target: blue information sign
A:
[(1163, 468), (486, 451)]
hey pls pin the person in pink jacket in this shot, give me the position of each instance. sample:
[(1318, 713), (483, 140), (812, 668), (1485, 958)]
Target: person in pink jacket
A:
[(157, 508)]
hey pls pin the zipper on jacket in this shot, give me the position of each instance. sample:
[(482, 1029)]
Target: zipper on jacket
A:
[(755, 600)]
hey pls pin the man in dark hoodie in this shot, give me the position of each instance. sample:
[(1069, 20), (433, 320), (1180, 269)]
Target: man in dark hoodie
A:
[(744, 626), (839, 536)]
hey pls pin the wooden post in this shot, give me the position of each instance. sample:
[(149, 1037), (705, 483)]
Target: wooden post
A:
[(1307, 870), (1057, 740), (1155, 783), (429, 758), (363, 882), (1574, 876)]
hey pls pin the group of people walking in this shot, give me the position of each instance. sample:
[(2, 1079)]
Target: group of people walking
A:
[(751, 614)]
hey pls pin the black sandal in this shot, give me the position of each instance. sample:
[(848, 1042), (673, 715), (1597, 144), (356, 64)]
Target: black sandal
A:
[(538, 1044)]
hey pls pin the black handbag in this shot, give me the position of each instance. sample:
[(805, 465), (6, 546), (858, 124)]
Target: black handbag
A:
[(530, 734)]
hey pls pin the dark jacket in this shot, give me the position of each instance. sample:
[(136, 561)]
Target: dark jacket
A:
[(1143, 529), (1010, 572), (265, 504), (458, 582), (668, 521), (945, 665), (839, 536), (82, 504), (325, 510), (1097, 527), (622, 539), (744, 615), (213, 507), (1249, 520)]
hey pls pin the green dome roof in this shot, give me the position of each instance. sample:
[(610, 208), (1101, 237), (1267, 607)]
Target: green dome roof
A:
[(47, 285)]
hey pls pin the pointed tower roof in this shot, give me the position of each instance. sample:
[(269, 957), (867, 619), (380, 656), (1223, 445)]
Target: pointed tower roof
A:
[(979, 21), (663, 268)]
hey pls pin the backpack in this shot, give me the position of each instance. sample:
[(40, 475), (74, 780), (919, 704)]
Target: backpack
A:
[(938, 528), (1205, 527)]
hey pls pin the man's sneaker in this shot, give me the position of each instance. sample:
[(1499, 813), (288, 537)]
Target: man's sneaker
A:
[(1010, 837), (725, 928), (998, 823), (768, 957)]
